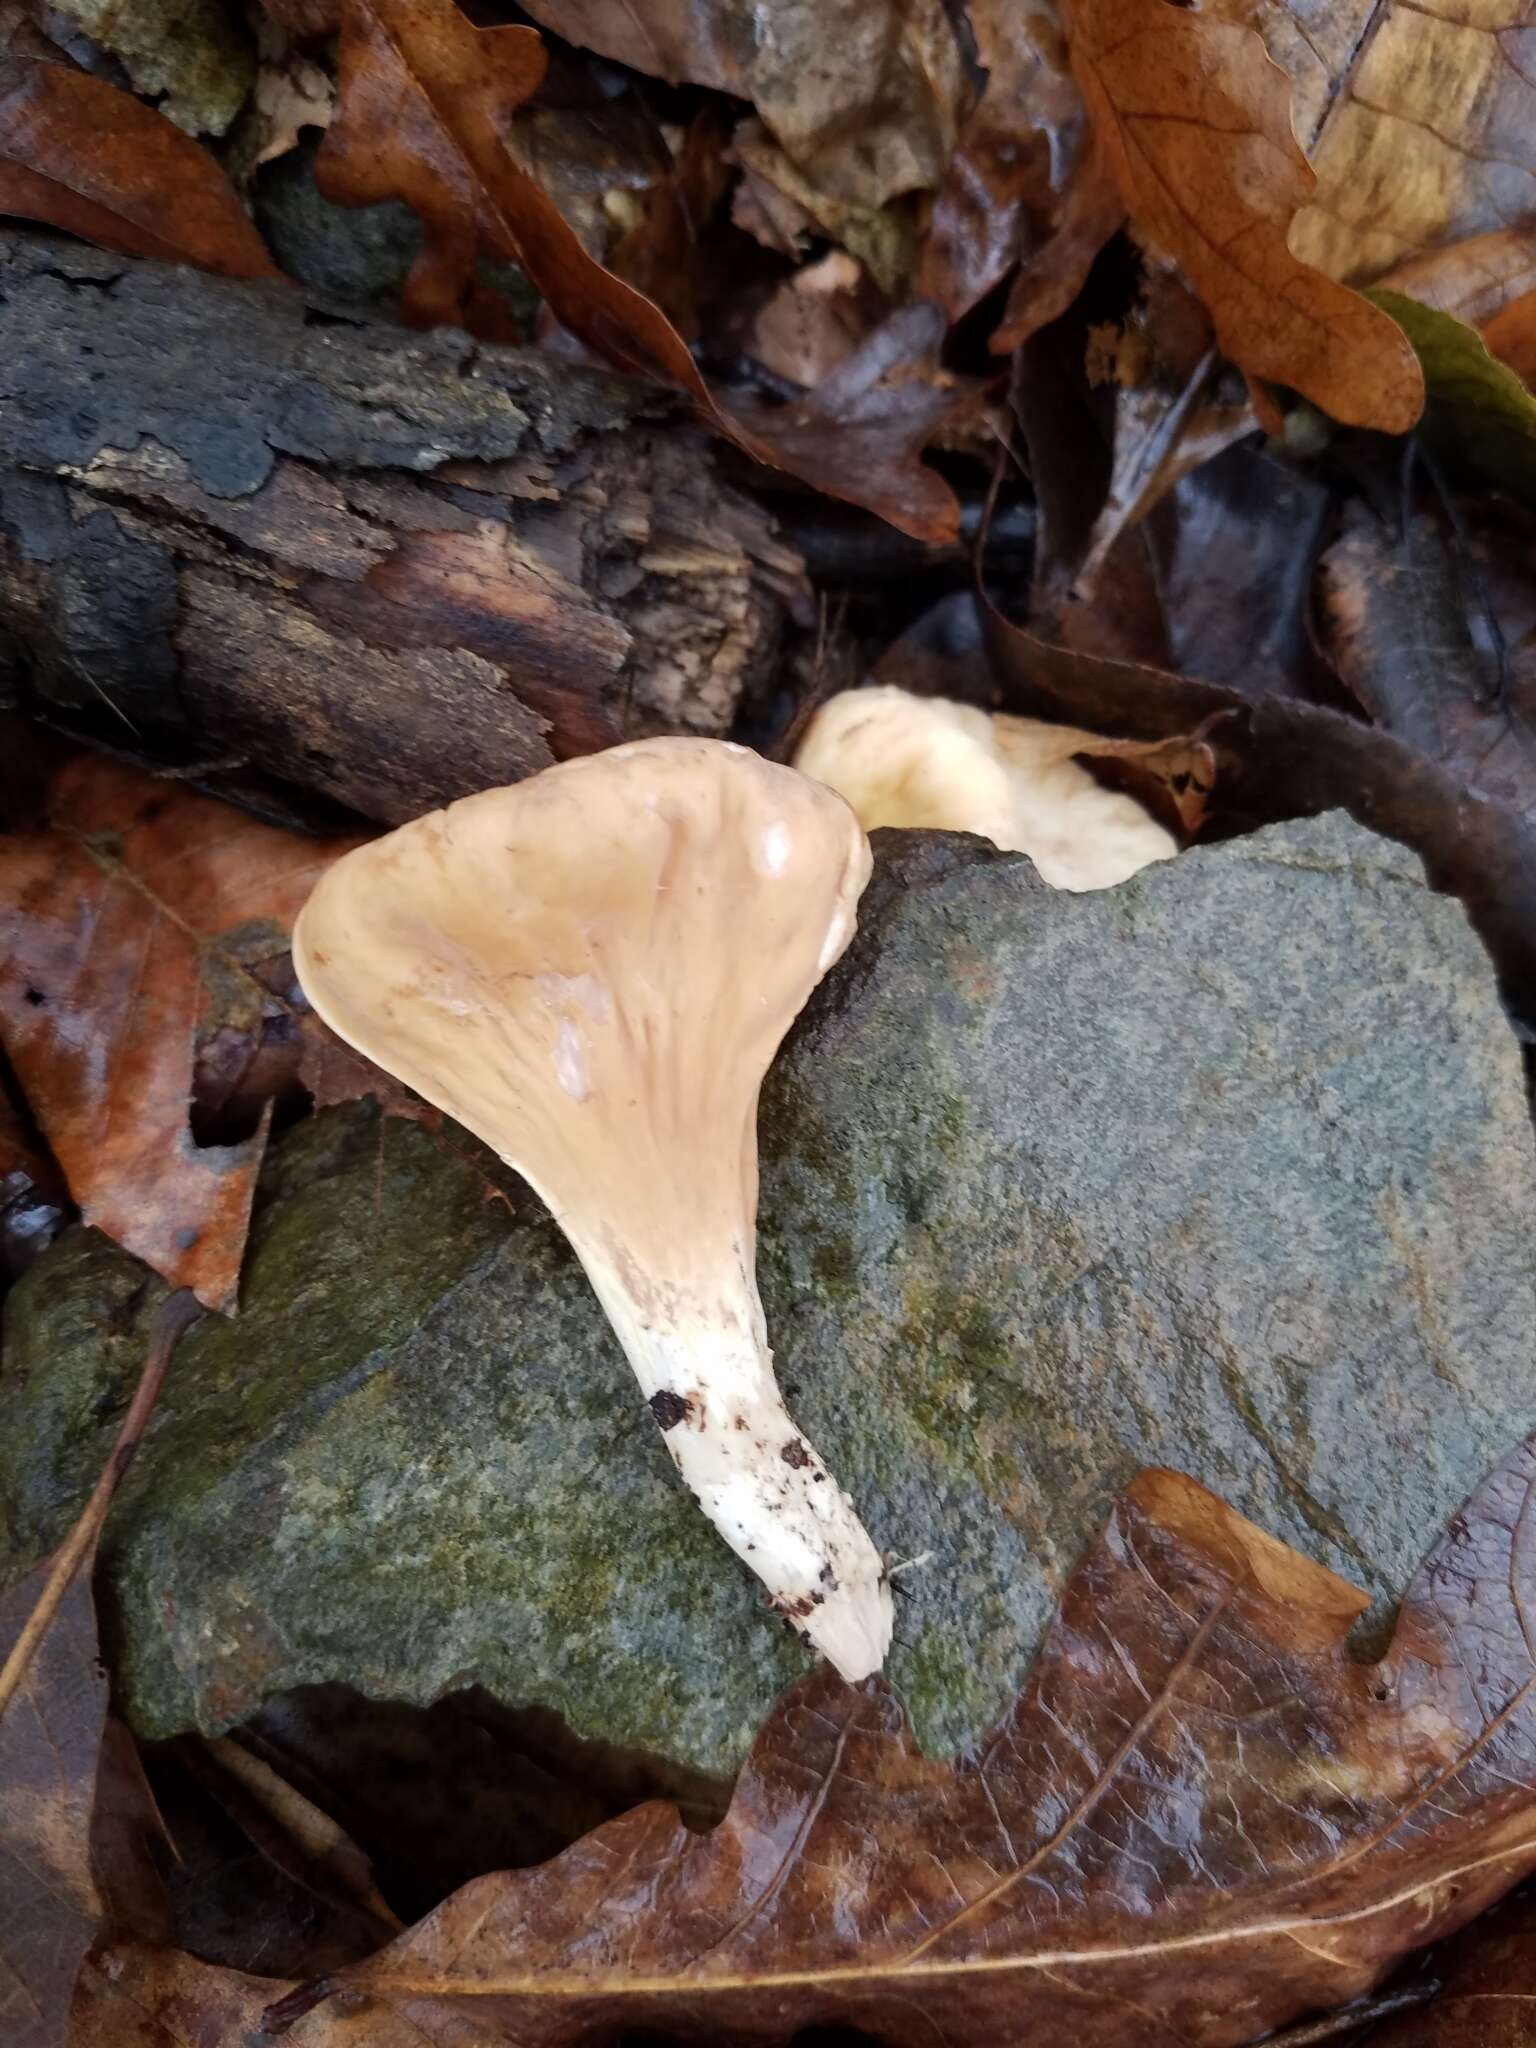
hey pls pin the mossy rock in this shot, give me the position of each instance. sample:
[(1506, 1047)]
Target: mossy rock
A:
[(1229, 1169)]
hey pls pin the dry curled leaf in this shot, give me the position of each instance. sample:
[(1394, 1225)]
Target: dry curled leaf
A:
[(1201, 1817), (422, 100), (81, 155), (1195, 123), (140, 921)]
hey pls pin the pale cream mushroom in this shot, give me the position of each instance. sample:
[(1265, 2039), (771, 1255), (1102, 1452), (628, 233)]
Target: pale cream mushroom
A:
[(927, 761), (592, 970)]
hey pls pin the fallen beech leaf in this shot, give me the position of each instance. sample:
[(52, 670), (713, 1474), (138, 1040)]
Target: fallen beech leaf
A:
[(81, 155), (1019, 153), (145, 913), (1195, 122), (1421, 127), (1478, 415), (1201, 1817)]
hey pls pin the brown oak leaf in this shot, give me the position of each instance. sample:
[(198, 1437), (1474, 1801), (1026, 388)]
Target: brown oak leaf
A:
[(1195, 123), (131, 1995)]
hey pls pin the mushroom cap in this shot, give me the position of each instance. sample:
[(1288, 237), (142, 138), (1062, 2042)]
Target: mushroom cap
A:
[(900, 759), (592, 970)]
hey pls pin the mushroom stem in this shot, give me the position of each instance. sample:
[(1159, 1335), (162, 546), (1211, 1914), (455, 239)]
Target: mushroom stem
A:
[(708, 1378)]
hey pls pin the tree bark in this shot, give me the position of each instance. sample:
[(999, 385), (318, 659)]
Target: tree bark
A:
[(241, 531)]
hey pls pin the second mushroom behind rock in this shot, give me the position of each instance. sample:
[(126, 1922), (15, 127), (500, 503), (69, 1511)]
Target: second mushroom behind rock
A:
[(592, 970)]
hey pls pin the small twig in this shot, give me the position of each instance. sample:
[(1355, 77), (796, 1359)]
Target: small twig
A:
[(177, 1312)]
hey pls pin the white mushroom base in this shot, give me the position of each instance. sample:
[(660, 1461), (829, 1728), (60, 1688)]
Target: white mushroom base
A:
[(766, 1490)]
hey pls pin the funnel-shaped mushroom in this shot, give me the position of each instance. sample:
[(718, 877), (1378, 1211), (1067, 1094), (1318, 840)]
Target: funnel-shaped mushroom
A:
[(592, 970)]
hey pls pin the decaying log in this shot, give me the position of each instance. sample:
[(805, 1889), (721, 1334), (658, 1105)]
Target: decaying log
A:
[(243, 529)]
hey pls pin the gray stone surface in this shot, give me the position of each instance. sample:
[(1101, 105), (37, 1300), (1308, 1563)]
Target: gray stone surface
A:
[(1228, 1169)]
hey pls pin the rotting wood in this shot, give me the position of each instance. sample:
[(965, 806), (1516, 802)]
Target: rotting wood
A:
[(239, 528)]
